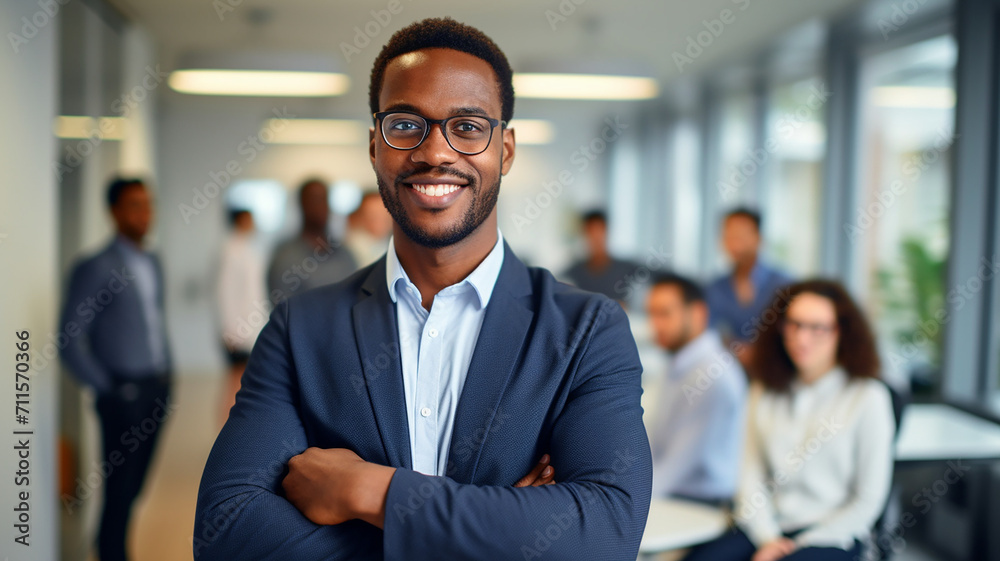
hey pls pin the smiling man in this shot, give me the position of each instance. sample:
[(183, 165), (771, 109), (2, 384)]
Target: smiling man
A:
[(395, 414)]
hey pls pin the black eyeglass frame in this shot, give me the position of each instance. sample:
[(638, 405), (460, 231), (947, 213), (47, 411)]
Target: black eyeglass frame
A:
[(494, 123)]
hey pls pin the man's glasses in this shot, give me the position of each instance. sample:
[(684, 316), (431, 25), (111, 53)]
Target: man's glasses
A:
[(467, 134)]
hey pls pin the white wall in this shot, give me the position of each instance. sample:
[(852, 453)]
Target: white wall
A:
[(28, 273)]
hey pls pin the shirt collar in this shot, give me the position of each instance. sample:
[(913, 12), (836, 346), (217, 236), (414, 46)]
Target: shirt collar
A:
[(705, 344), (128, 246), (828, 384), (483, 278)]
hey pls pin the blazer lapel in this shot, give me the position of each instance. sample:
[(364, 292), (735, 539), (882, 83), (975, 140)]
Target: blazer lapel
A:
[(374, 320), (505, 326)]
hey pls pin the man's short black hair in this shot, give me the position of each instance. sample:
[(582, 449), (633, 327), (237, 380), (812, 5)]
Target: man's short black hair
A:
[(448, 34), (745, 212), (309, 181), (235, 214), (118, 186), (596, 214), (691, 291)]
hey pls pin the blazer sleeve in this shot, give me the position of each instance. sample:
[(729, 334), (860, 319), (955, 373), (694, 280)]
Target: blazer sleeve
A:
[(241, 513), (596, 510), (77, 319)]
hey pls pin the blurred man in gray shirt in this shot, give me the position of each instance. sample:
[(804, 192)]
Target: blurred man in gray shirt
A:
[(311, 258), (696, 430)]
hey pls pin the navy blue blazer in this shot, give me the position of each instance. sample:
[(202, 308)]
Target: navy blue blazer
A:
[(555, 370), (103, 334)]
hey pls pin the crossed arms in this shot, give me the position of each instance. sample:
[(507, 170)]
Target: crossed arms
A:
[(332, 502)]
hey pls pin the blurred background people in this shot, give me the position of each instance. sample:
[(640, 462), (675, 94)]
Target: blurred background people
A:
[(312, 258), (737, 299), (697, 434), (242, 299), (819, 447), (115, 304), (599, 271), (368, 229)]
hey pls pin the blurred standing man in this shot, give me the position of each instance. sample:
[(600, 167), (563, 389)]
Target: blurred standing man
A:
[(121, 352), (369, 228), (696, 437), (737, 300), (599, 271), (312, 258), (242, 299)]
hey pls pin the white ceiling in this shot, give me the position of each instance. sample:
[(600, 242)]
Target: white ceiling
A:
[(643, 32)]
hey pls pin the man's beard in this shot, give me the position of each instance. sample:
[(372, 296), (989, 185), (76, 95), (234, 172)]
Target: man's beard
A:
[(483, 203)]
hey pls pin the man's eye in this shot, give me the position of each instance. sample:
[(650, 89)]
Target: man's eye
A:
[(405, 126), (467, 126)]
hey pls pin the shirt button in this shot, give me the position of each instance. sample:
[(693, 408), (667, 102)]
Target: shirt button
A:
[(425, 412), (432, 332)]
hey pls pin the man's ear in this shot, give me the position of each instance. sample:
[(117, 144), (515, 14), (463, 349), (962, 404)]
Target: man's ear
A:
[(371, 144), (507, 155)]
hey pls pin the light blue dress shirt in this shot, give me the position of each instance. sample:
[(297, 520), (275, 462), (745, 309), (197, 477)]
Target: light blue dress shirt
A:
[(435, 349), (697, 437)]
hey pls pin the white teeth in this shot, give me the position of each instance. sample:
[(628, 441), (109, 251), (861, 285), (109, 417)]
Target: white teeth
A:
[(436, 190)]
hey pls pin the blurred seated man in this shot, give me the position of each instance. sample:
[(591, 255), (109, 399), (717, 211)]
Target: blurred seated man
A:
[(599, 271), (312, 258), (738, 299), (697, 431)]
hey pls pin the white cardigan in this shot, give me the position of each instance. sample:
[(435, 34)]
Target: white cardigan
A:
[(818, 456)]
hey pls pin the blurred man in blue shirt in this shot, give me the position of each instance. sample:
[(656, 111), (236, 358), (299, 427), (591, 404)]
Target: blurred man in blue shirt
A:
[(737, 300), (696, 430)]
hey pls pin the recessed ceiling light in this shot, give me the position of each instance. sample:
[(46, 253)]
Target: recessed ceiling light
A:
[(532, 131), (314, 131), (264, 83), (81, 126), (914, 97), (584, 86), (259, 73)]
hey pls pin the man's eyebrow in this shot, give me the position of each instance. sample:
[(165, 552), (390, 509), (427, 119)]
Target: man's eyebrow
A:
[(471, 110)]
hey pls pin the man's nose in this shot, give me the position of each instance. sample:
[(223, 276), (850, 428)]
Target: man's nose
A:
[(434, 150)]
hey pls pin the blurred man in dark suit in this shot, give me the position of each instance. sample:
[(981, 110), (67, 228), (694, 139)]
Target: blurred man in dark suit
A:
[(118, 347)]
